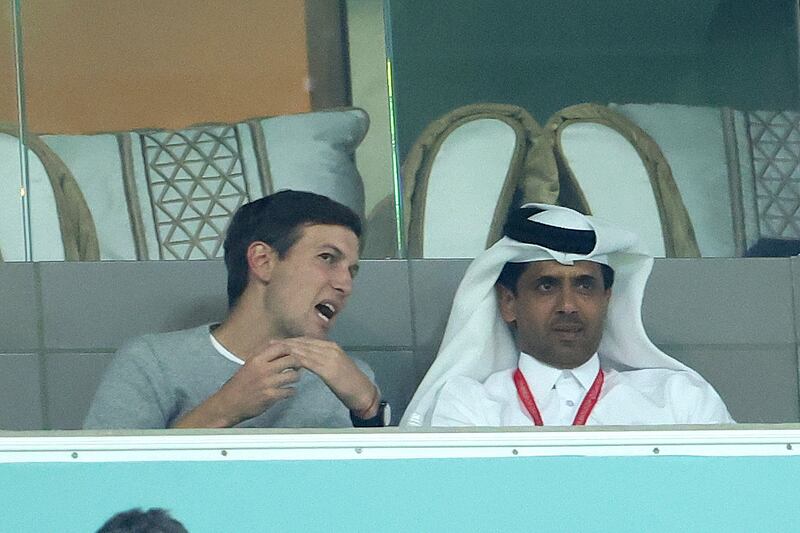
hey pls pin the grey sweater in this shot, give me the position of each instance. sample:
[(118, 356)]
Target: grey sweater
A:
[(154, 380)]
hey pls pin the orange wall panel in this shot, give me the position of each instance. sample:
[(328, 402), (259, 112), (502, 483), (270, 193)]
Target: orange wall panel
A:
[(103, 65), (8, 83)]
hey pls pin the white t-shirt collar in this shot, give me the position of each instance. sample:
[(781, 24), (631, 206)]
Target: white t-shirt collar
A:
[(223, 351)]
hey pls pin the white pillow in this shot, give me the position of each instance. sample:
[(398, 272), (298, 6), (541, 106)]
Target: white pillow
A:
[(316, 152)]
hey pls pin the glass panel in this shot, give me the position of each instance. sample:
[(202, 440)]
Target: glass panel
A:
[(101, 83), (376, 158), (12, 227), (701, 96)]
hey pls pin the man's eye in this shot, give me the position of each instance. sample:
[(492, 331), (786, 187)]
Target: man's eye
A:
[(545, 287), (328, 258)]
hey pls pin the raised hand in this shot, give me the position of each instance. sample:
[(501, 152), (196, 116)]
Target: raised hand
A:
[(327, 360), (263, 380)]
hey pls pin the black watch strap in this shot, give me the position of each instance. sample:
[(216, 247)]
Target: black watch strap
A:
[(381, 419)]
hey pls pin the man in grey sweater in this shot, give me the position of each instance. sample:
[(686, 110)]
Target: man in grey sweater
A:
[(291, 258)]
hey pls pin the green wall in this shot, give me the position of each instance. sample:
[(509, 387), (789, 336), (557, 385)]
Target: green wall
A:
[(544, 55)]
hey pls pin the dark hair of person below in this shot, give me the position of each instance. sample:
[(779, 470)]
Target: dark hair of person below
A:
[(278, 220), (153, 520), (511, 272)]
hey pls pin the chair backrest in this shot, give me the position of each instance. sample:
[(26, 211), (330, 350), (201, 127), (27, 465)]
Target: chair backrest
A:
[(460, 177), (737, 172), (62, 227), (608, 166), (696, 142)]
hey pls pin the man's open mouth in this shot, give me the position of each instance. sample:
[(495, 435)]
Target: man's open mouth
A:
[(326, 310)]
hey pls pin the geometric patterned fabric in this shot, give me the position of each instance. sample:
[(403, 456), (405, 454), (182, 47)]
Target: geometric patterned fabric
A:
[(196, 183), (775, 153), (162, 194)]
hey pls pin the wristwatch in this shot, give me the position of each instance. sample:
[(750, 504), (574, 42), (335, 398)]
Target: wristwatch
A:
[(381, 419)]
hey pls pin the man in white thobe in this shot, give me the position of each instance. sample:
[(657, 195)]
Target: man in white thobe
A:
[(546, 329)]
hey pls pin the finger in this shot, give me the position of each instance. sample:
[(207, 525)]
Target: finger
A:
[(282, 393), (324, 358), (310, 342), (303, 355), (320, 350), (285, 378), (274, 350), (284, 363), (310, 361)]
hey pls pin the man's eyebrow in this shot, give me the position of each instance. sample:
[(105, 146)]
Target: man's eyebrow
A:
[(332, 247), (339, 253)]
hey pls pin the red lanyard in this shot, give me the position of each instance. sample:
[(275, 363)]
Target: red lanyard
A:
[(588, 403)]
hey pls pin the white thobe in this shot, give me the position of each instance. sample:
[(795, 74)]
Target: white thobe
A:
[(650, 396)]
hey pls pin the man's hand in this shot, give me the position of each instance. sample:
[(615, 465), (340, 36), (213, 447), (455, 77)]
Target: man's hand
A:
[(327, 360), (264, 380)]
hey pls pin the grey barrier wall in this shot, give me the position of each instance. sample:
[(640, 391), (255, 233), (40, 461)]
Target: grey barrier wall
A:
[(733, 320)]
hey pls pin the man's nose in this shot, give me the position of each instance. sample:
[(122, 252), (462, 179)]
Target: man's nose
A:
[(343, 281), (567, 301)]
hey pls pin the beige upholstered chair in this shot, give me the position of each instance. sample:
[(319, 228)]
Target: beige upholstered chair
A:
[(61, 223), (461, 175), (611, 168), (738, 173), (470, 166)]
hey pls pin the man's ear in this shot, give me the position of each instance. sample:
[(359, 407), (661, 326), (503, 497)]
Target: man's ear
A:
[(261, 259), (608, 294), (506, 302)]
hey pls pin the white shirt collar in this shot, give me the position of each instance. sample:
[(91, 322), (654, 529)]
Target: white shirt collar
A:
[(541, 377)]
